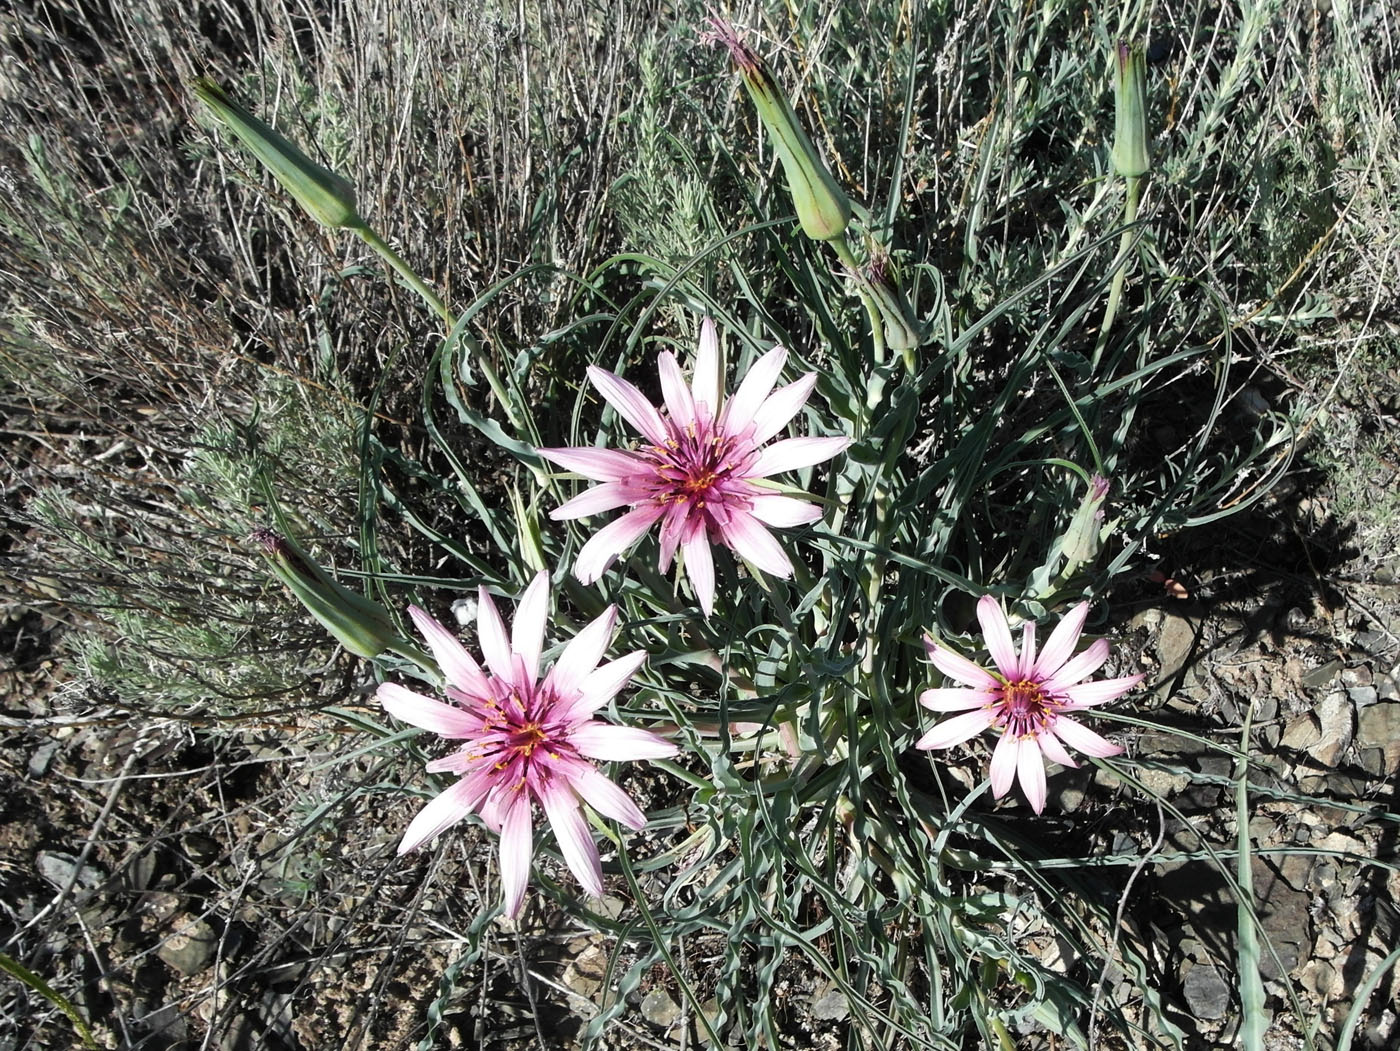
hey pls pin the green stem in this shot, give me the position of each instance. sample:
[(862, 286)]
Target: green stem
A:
[(1115, 293), (416, 283), (406, 272)]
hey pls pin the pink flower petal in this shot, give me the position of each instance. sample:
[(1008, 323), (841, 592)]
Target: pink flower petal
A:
[(1087, 694), (792, 454), (679, 402), (1030, 770), (747, 536), (444, 810), (603, 685), (705, 381), (445, 720), (1081, 738), (1078, 667), (700, 568), (598, 500), (575, 841), (531, 615), (457, 665), (630, 404), (606, 798), (619, 743), (517, 845), (774, 509), (753, 392), (1005, 759), (583, 653), (956, 730), (955, 699), (491, 636), (1054, 751), (959, 668), (613, 539), (782, 405), (602, 465), (1027, 661), (1061, 643), (997, 634)]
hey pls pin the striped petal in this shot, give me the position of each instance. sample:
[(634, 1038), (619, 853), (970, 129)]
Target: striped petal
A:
[(740, 411), (700, 568), (679, 402), (705, 380), (601, 465), (445, 720), (774, 509), (619, 743), (630, 403), (747, 536), (1061, 643), (596, 501), (792, 454), (517, 845), (614, 538), (997, 634), (782, 405), (959, 668), (531, 616), (1081, 738), (457, 665), (956, 730), (491, 636), (575, 841), (583, 653)]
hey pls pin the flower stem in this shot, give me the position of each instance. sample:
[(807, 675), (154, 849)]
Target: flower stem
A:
[(1115, 293), (406, 272)]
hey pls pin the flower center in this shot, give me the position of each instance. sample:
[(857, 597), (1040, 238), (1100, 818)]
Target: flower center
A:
[(526, 739), (1024, 707), (694, 465)]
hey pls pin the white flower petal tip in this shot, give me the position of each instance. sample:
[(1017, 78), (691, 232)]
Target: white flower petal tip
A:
[(521, 740), (699, 472), (1028, 700)]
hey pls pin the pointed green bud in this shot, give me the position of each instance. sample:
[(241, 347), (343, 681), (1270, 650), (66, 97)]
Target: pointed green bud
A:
[(360, 625), (902, 332), (1086, 531), (1130, 156), (822, 206), (327, 198)]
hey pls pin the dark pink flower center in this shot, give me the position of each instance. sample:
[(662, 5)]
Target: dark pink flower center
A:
[(1025, 708), (697, 466)]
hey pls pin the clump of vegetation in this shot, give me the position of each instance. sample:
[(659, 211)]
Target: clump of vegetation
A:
[(1032, 336)]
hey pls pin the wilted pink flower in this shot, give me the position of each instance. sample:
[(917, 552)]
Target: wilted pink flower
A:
[(525, 739), (1027, 699), (698, 472)]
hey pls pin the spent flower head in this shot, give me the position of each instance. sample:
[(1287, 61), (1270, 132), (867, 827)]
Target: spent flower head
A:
[(526, 740), (699, 473), (1028, 698)]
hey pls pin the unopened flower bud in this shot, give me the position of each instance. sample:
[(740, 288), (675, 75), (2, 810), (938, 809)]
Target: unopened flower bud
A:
[(327, 198), (360, 625), (822, 207), (897, 317), (1085, 533), (1130, 156)]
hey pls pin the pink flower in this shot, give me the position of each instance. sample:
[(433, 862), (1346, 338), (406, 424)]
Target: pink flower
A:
[(1027, 699), (525, 739), (699, 471)]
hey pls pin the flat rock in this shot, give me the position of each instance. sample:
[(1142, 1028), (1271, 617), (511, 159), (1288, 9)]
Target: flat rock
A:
[(189, 948), (1335, 718), (1206, 993), (660, 1009)]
